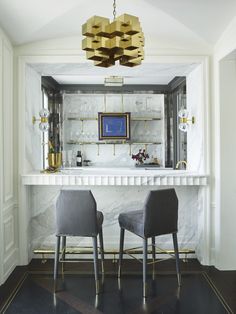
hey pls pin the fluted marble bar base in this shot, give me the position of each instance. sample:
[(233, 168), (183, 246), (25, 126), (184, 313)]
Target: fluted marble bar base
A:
[(115, 176)]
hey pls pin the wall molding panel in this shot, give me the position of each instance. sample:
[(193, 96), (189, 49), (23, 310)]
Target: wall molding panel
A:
[(1, 163), (8, 206), (7, 95)]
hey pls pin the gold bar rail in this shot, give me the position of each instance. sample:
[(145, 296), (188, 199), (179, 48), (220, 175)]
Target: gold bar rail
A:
[(88, 250)]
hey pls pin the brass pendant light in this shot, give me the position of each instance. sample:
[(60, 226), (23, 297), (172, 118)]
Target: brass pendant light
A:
[(106, 42)]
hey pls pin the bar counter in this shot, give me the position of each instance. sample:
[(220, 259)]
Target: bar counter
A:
[(92, 176)]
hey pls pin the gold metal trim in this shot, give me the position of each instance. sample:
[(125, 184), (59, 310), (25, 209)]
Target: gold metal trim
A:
[(97, 286), (217, 293), (145, 289), (88, 250), (130, 252), (44, 119), (186, 120), (34, 119), (14, 292)]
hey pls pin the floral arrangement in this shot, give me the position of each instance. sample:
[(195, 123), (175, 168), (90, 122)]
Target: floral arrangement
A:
[(141, 156)]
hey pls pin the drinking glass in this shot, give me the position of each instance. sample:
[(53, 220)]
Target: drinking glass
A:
[(63, 158), (69, 158)]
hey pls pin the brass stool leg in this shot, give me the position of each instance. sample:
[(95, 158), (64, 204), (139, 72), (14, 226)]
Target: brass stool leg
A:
[(56, 260), (122, 235), (95, 256), (144, 267)]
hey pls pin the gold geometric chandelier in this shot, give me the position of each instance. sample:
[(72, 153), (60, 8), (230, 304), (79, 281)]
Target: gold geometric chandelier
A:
[(121, 40)]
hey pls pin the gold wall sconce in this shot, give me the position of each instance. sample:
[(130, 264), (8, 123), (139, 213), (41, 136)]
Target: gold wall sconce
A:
[(120, 40), (44, 115), (184, 120)]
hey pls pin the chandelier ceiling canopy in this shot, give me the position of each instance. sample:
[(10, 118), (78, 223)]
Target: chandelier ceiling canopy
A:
[(120, 40)]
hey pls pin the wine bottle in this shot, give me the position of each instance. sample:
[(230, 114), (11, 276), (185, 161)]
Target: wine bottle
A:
[(79, 159)]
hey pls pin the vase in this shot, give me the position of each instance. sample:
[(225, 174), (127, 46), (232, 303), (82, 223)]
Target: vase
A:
[(54, 160)]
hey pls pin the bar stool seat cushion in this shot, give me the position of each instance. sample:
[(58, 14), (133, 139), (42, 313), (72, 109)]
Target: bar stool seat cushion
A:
[(133, 221)]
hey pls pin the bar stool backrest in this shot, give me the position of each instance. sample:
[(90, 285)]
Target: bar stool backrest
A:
[(76, 213), (161, 213)]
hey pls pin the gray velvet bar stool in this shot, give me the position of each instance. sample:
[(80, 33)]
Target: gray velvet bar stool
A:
[(159, 216), (77, 216)]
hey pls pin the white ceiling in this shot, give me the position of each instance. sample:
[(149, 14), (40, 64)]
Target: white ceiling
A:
[(198, 22), (87, 73)]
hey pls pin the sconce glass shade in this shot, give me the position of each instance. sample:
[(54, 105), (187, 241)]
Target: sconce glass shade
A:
[(44, 113), (183, 113), (44, 126), (183, 127), (184, 121)]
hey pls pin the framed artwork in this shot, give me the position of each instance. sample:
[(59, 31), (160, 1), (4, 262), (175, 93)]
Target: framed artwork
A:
[(114, 125)]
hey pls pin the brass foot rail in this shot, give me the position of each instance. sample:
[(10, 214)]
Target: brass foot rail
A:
[(115, 253)]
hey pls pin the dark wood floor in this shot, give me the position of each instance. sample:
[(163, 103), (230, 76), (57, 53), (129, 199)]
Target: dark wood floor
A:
[(222, 282)]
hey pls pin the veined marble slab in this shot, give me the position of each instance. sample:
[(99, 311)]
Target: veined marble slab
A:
[(112, 201), (115, 176)]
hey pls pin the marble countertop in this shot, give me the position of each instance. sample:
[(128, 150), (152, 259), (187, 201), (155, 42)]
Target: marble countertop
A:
[(115, 176)]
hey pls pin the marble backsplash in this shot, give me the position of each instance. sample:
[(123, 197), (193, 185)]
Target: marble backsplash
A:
[(120, 200)]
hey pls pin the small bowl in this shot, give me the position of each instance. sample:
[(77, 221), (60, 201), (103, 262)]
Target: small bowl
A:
[(86, 162)]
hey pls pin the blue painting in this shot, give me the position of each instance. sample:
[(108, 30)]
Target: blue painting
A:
[(114, 125)]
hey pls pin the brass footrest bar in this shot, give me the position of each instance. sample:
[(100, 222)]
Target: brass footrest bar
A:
[(74, 260), (132, 251), (158, 250), (74, 250)]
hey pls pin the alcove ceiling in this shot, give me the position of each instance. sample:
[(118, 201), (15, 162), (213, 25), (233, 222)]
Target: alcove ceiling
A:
[(196, 22), (87, 73)]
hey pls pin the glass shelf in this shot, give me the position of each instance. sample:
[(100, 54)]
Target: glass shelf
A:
[(81, 119), (145, 119), (132, 119), (112, 143)]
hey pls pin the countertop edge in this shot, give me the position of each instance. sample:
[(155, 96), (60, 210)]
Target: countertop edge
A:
[(136, 179)]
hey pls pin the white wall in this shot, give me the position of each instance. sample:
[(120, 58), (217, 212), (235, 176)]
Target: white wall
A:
[(32, 107), (227, 42), (8, 190), (195, 107), (226, 255), (224, 96)]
